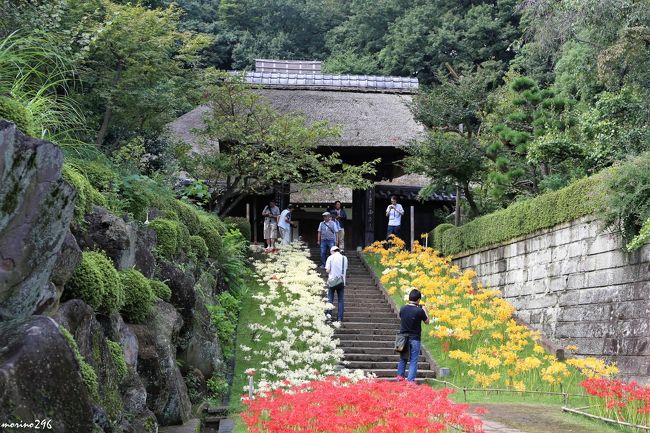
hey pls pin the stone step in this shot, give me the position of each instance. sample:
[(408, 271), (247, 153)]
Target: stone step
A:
[(345, 337), (380, 365), (384, 350), (389, 319), (368, 316), (377, 309), (362, 326), (371, 357), (392, 372), (418, 380), (191, 426), (365, 344)]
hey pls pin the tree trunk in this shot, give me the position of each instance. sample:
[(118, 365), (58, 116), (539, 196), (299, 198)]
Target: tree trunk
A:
[(108, 112), (232, 204), (469, 196), (457, 208)]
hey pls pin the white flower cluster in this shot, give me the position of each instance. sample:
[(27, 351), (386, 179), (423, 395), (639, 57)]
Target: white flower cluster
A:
[(302, 346)]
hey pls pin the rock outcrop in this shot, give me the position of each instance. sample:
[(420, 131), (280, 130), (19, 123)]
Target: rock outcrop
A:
[(167, 394), (36, 207), (39, 377)]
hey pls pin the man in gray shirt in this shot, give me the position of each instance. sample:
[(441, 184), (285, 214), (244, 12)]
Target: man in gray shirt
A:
[(327, 238)]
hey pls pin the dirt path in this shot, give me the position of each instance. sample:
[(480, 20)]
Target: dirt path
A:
[(534, 418)]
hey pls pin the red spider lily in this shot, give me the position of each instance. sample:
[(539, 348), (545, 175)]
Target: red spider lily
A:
[(628, 400), (336, 405)]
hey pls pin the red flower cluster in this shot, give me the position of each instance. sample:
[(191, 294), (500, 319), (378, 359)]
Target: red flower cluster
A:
[(336, 405), (628, 399)]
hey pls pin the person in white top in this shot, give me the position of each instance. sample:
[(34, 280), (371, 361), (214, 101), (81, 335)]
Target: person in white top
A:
[(336, 267), (394, 212), (284, 224)]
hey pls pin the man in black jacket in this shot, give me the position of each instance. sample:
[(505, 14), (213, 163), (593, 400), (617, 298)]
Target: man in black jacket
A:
[(411, 317)]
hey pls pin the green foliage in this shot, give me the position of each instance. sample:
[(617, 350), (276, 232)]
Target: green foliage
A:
[(217, 387), (12, 110), (88, 375), (161, 290), (526, 216), (437, 232), (224, 318), (233, 260), (626, 207), (168, 232), (97, 283), (641, 239), (138, 193), (101, 175), (199, 248), (240, 223), (118, 359), (140, 298), (188, 214), (87, 195), (210, 234), (197, 192)]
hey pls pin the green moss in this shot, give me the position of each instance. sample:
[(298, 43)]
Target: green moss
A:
[(87, 195), (188, 215), (88, 375), (524, 217), (168, 236), (97, 283), (211, 235), (118, 359), (140, 298), (240, 223), (199, 248), (150, 425), (183, 239), (100, 174), (14, 111), (161, 290)]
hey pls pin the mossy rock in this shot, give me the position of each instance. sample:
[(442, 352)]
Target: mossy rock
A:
[(211, 235), (187, 214), (168, 236), (161, 290), (14, 111), (87, 195), (88, 374), (118, 359), (100, 174), (198, 248), (183, 237), (97, 283), (140, 297)]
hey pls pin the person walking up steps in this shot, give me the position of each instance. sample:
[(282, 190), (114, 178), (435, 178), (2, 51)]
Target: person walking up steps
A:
[(336, 267), (411, 317), (326, 237)]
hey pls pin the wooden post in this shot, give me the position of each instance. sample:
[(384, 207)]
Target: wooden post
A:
[(412, 226), (457, 211)]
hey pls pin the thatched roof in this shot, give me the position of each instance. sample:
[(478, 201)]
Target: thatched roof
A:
[(366, 119)]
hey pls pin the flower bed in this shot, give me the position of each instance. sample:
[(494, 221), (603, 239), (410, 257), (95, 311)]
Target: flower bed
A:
[(292, 343), (473, 329), (336, 405), (617, 400)]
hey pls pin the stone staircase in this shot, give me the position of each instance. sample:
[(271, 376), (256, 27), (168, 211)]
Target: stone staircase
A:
[(369, 325)]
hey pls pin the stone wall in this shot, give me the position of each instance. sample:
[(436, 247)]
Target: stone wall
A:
[(574, 283)]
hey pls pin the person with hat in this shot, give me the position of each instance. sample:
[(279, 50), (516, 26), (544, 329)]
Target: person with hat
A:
[(336, 267), (326, 236)]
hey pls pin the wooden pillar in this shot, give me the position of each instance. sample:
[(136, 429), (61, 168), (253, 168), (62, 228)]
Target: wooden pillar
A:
[(358, 219), (412, 225), (369, 205)]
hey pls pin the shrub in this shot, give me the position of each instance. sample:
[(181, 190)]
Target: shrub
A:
[(240, 223), (626, 206), (118, 359), (183, 239), (187, 214), (97, 283), (138, 193), (139, 296), (437, 235), (210, 234), (15, 112), (526, 216), (100, 175), (217, 387), (161, 290), (88, 375), (168, 236), (87, 195), (199, 248)]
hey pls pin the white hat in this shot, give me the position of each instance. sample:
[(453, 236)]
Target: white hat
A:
[(326, 214), (334, 248)]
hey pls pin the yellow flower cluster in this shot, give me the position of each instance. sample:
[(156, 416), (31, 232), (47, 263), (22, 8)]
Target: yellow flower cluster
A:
[(474, 327)]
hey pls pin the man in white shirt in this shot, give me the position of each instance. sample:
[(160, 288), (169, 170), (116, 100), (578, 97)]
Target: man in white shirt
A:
[(394, 212), (336, 267), (284, 224)]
